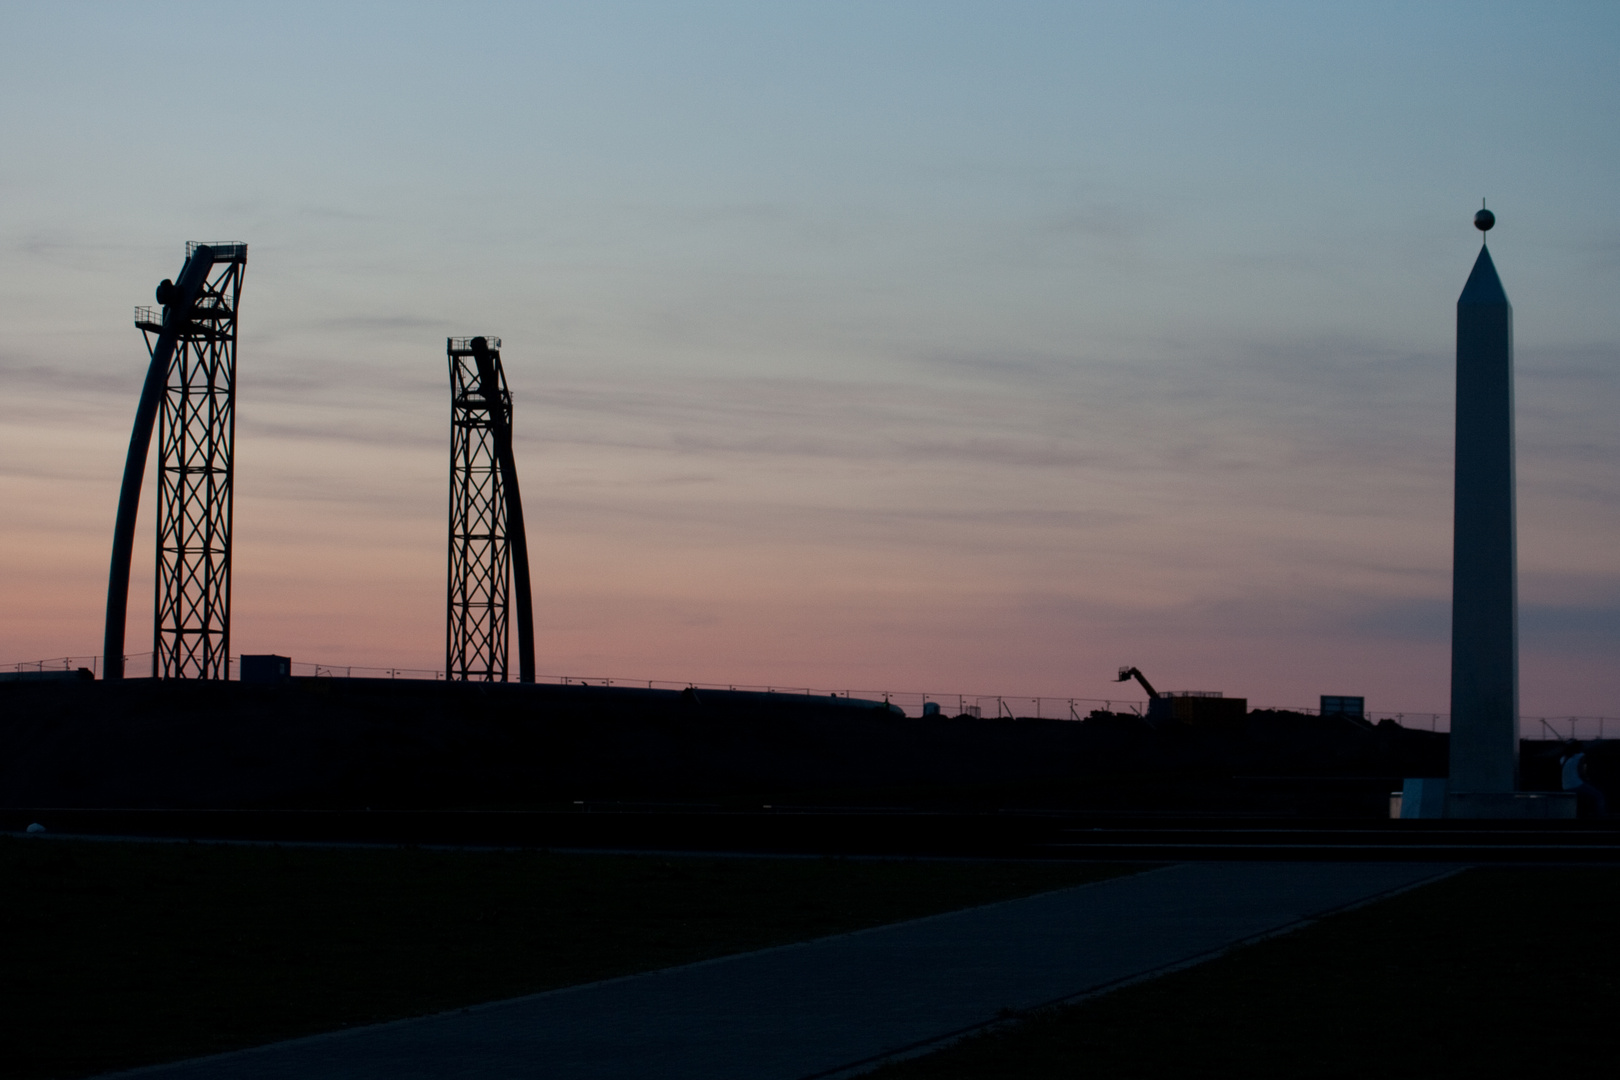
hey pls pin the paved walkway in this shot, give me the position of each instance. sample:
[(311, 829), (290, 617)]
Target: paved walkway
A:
[(827, 1006)]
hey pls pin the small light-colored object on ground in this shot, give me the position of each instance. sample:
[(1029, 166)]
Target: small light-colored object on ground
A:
[(1423, 797), (36, 828)]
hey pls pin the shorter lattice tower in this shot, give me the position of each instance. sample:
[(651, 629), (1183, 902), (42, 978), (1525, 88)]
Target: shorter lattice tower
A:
[(488, 557)]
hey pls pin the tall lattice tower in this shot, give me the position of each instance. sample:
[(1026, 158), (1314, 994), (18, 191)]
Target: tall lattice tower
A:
[(488, 548), (191, 634), (190, 395)]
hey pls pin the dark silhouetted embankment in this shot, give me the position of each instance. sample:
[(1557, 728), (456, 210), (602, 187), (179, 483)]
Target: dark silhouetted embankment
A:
[(411, 745)]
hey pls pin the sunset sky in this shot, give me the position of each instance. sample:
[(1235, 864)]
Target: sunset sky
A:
[(951, 347)]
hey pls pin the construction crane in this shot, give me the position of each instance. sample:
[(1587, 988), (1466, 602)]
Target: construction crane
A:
[(1126, 674), (1191, 706)]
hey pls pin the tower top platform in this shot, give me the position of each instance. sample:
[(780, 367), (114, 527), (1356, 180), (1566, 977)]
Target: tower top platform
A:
[(462, 346), (225, 251)]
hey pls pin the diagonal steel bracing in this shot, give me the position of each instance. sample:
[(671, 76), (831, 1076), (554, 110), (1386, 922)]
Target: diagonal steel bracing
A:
[(196, 467)]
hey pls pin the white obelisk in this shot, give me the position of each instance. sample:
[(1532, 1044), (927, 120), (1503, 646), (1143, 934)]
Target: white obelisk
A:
[(1484, 780), (1484, 568)]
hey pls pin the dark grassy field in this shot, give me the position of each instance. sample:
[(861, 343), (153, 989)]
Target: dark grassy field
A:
[(1498, 972), (331, 744), (121, 954)]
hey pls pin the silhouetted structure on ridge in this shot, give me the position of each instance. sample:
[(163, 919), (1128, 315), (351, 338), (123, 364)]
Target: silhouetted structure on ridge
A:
[(489, 555), (190, 396), (1191, 706)]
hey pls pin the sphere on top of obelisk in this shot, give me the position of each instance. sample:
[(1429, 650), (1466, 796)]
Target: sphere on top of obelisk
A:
[(1484, 219)]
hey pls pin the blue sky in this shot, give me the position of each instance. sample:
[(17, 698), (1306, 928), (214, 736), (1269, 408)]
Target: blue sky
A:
[(959, 347)]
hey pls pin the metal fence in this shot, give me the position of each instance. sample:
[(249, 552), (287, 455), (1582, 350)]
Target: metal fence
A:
[(910, 702), (62, 663)]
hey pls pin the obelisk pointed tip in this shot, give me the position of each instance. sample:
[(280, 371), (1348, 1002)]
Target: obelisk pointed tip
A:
[(1483, 287)]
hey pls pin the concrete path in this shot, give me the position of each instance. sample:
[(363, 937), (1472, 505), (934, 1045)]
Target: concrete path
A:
[(827, 1006)]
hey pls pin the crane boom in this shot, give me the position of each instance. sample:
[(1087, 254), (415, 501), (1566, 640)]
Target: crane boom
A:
[(1126, 674)]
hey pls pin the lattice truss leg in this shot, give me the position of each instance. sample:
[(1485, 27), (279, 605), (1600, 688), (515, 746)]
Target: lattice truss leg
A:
[(480, 558), (196, 468)]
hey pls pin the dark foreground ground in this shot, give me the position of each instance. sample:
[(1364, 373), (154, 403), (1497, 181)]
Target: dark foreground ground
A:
[(122, 954), (116, 954), (1494, 973), (400, 745)]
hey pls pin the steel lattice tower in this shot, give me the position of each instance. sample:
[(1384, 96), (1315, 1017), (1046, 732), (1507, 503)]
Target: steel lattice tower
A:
[(190, 394), (488, 547)]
